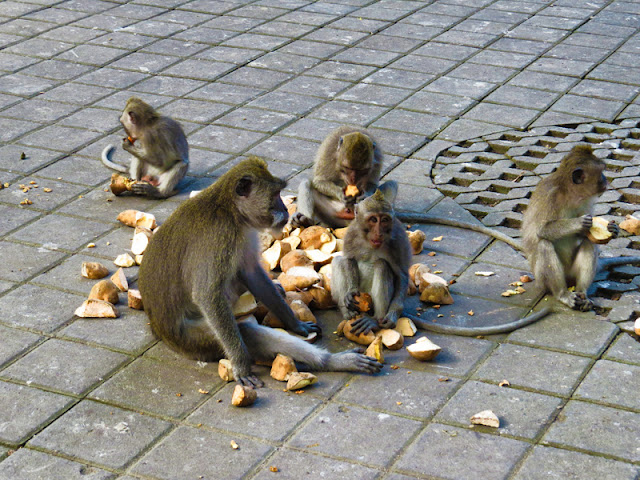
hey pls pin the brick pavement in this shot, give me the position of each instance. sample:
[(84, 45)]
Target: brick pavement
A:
[(98, 398)]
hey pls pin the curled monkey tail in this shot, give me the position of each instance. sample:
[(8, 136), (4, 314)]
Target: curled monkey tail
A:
[(451, 222), (608, 262), (475, 331), (106, 160)]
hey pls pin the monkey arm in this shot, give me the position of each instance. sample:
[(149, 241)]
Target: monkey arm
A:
[(261, 286), (328, 188), (563, 227), (400, 285)]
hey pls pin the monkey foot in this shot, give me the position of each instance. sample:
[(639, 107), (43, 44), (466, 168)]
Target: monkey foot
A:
[(299, 220), (353, 361), (251, 381)]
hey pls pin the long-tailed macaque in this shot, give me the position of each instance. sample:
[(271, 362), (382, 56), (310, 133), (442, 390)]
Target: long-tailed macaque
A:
[(159, 148), (204, 255), (556, 223), (348, 157)]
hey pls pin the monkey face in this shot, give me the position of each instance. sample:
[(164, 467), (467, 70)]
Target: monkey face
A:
[(378, 228), (259, 202), (352, 176)]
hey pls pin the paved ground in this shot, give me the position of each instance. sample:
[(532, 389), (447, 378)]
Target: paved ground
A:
[(102, 399)]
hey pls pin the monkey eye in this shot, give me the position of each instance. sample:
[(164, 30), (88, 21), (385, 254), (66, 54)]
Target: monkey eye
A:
[(373, 219)]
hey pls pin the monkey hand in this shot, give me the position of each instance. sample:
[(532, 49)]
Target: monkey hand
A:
[(144, 189), (250, 381), (364, 324), (587, 223), (389, 321), (351, 304), (127, 144), (614, 229), (300, 220), (305, 328)]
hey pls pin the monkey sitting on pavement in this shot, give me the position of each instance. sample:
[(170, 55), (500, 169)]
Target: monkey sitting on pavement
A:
[(348, 157), (159, 148), (556, 223), (204, 255)]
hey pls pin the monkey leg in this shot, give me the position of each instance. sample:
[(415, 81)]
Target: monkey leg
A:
[(326, 209), (167, 182), (550, 271), (382, 288), (304, 215), (344, 280), (584, 269), (265, 343)]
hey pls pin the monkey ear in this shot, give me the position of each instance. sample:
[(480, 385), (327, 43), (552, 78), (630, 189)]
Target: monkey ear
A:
[(243, 188), (577, 176), (133, 118), (340, 140)]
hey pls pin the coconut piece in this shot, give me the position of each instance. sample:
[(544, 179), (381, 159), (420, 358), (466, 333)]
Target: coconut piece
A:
[(362, 339), (120, 184), (318, 257), (295, 258), (416, 239), (330, 246), (245, 305), (141, 240), (302, 311), (293, 241), (299, 278), (392, 339), (298, 380), (146, 220), (406, 327), (486, 418), (340, 233), (416, 271), (411, 288), (120, 280), (321, 298), (97, 309), (283, 366), (340, 328), (351, 191), (631, 224), (636, 326), (124, 260), (93, 270), (339, 245), (325, 272), (305, 296), (434, 289), (128, 217), (599, 233), (225, 370), (273, 254), (270, 320), (424, 349), (374, 349), (243, 396), (105, 290), (364, 302), (134, 299), (138, 259), (311, 237)]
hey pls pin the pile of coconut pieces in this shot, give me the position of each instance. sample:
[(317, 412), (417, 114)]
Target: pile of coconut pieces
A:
[(104, 294)]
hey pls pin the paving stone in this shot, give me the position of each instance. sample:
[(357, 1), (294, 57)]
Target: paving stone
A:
[(450, 452), (389, 392), (327, 433), (598, 429), (65, 366), (398, 78), (502, 254), (553, 463), (292, 464), (521, 414), (15, 342), (558, 331), (253, 119), (27, 410), (263, 419), (13, 217), (533, 368), (625, 349), (22, 262), (611, 383), (30, 464), (279, 148), (161, 85), (412, 122), (101, 434), (225, 138)]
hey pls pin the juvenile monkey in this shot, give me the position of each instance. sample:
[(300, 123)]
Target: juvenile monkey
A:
[(159, 148), (375, 260), (348, 156), (204, 255), (556, 223)]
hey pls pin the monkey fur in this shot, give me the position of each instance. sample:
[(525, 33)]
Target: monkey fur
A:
[(556, 223), (204, 256), (347, 156), (159, 149)]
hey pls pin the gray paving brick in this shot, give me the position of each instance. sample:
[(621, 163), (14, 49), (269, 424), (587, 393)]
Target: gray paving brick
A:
[(625, 349), (22, 262), (253, 119), (450, 452), (30, 464), (595, 428), (327, 433), (611, 383), (27, 410), (101, 434), (13, 217), (14, 342), (546, 462)]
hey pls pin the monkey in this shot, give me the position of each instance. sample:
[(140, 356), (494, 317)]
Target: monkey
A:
[(159, 149), (376, 257), (204, 255), (347, 156), (555, 225)]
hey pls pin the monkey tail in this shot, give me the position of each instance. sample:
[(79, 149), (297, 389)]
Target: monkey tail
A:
[(106, 160), (475, 331), (451, 222), (608, 262)]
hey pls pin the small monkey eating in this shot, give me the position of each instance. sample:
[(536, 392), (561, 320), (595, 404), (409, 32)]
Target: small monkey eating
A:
[(159, 149)]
